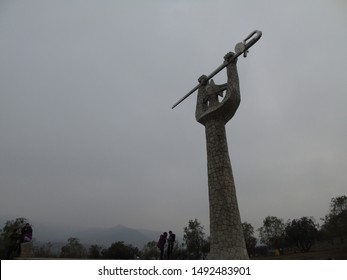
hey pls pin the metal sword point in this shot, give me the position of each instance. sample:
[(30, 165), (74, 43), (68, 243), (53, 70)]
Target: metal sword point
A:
[(240, 48)]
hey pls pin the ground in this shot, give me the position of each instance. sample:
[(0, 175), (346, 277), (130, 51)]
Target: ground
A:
[(336, 253)]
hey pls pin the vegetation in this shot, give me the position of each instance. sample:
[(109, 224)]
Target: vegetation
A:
[(150, 251), (9, 237), (44, 251), (121, 251), (94, 252), (302, 233), (272, 232), (73, 249), (251, 241), (335, 222), (194, 237), (297, 234)]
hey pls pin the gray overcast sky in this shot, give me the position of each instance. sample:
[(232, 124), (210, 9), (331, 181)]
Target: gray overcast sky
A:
[(88, 137)]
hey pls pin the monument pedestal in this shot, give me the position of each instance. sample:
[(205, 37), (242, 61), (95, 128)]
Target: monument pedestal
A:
[(26, 250)]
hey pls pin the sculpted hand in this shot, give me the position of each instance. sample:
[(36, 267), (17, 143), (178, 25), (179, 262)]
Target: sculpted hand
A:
[(229, 57)]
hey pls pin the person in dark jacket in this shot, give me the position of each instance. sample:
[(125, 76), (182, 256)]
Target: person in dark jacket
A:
[(170, 244)]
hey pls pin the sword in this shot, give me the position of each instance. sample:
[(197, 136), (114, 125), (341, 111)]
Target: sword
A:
[(240, 48)]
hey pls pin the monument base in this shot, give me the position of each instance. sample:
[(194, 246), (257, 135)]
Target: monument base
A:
[(26, 250), (228, 254)]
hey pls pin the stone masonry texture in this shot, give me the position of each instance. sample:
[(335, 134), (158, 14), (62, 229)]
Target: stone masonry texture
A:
[(226, 235)]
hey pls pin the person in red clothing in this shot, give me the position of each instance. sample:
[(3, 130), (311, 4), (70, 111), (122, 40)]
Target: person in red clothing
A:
[(161, 244)]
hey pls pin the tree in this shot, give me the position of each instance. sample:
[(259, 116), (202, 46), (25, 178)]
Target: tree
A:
[(180, 252), (206, 245), (94, 252), (335, 222), (338, 205), (9, 237), (301, 232), (44, 251), (120, 251), (251, 241), (150, 251), (74, 249), (272, 232), (194, 238)]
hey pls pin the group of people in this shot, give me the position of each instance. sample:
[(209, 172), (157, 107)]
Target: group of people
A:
[(170, 243), (17, 237)]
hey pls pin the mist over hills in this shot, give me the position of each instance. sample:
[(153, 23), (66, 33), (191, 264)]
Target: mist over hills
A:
[(107, 236), (100, 236), (43, 232)]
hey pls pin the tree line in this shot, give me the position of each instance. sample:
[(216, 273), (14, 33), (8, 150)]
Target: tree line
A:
[(302, 233), (297, 234)]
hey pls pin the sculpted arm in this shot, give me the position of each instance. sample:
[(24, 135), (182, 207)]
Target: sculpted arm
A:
[(232, 97), (201, 104)]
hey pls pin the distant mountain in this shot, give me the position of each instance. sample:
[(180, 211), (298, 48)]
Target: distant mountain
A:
[(43, 232), (107, 236)]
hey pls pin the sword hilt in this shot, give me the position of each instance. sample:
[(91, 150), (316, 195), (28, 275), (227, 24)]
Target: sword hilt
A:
[(240, 48)]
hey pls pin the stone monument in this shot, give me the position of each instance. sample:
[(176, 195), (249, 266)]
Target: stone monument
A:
[(226, 234), (227, 240)]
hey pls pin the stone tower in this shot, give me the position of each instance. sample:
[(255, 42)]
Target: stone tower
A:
[(227, 240)]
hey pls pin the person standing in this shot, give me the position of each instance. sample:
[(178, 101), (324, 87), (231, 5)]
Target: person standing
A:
[(170, 242), (161, 244), (27, 233)]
